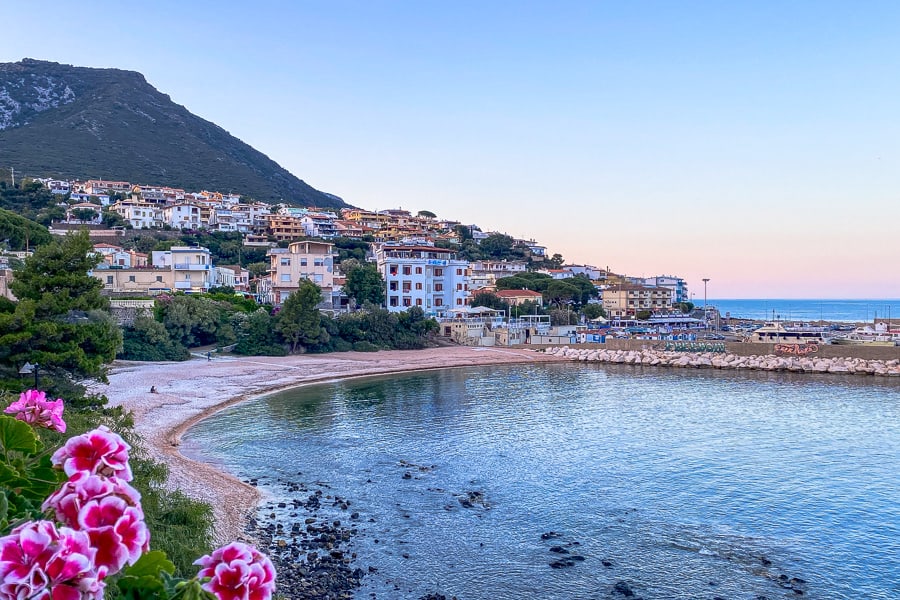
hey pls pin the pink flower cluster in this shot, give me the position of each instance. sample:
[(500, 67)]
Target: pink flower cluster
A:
[(34, 408), (40, 562), (102, 527), (109, 511), (238, 572), (99, 452), (98, 500)]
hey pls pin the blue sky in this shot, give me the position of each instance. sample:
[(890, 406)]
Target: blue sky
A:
[(755, 144)]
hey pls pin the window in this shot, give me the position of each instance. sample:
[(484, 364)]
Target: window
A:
[(439, 287), (407, 286), (418, 302), (459, 301), (319, 262), (438, 272), (285, 277), (131, 278), (418, 286), (393, 301), (438, 301), (109, 279), (459, 271), (302, 262), (407, 270), (459, 287), (418, 270), (393, 270), (159, 277), (392, 286), (285, 262), (407, 302)]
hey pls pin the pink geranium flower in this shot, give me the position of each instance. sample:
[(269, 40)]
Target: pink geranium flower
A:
[(99, 452), (109, 511), (39, 562), (82, 488), (34, 408), (238, 572)]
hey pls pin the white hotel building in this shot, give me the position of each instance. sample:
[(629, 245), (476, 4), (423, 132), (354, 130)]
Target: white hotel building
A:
[(423, 276)]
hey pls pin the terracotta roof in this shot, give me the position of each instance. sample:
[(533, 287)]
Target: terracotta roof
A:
[(517, 294)]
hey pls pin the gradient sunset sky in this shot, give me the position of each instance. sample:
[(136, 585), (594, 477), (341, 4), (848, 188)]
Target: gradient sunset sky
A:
[(754, 143)]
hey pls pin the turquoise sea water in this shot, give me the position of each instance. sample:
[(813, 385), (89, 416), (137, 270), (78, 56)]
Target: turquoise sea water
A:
[(862, 311), (689, 484)]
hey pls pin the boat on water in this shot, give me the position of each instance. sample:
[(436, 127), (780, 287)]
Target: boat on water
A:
[(880, 336), (777, 333)]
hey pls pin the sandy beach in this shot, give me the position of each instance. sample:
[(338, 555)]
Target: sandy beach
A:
[(187, 392)]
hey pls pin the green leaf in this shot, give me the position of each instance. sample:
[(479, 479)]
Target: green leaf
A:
[(4, 507), (17, 435), (148, 578), (151, 563), (10, 477), (141, 588)]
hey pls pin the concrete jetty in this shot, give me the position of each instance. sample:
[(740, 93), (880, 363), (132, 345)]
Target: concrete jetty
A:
[(717, 360)]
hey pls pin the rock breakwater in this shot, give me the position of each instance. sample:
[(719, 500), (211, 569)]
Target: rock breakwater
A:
[(719, 360)]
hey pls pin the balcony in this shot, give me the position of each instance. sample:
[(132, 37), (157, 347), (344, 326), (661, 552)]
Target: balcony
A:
[(191, 267)]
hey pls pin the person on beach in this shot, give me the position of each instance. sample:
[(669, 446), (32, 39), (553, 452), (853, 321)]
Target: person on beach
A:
[(152, 389)]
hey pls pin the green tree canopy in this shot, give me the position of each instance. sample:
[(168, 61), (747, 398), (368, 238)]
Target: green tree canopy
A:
[(592, 311), (490, 300), (364, 284), (299, 321), (685, 307), (20, 233), (60, 321), (586, 289), (560, 292), (536, 282), (554, 262)]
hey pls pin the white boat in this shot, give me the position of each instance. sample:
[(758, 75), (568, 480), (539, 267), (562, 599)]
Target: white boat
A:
[(776, 333), (868, 336)]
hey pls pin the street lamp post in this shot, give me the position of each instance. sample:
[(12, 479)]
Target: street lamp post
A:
[(705, 316), (28, 369)]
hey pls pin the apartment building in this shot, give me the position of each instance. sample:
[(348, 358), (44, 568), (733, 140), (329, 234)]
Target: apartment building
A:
[(308, 259), (96, 187), (191, 267), (498, 268), (140, 215), (116, 256), (676, 284), (424, 276), (138, 281), (319, 224), (182, 216), (285, 227), (627, 300), (517, 297)]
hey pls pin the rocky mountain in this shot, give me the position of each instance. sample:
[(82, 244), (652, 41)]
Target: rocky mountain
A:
[(62, 121)]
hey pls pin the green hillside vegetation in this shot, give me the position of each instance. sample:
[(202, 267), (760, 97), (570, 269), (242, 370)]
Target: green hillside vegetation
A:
[(112, 124)]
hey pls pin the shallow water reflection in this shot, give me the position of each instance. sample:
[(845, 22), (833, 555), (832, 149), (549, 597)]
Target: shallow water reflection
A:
[(684, 484)]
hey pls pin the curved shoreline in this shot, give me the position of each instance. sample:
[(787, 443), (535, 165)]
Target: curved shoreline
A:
[(189, 392)]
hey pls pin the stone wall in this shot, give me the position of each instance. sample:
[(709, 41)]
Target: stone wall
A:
[(745, 349), (125, 311)]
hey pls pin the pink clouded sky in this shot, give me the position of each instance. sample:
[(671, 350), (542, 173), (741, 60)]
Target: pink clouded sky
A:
[(756, 144)]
